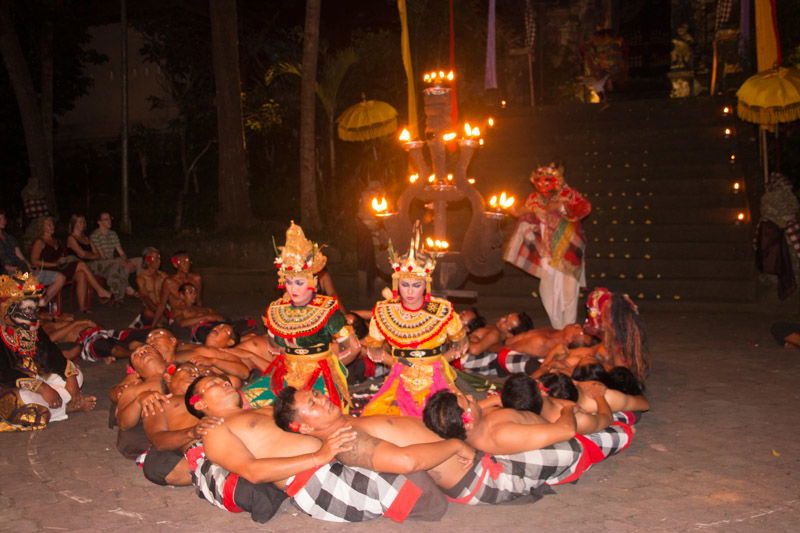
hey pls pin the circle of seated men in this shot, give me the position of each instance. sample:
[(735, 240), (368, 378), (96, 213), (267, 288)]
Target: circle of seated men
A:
[(253, 420)]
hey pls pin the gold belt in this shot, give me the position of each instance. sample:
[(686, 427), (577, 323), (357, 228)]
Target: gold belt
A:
[(300, 367)]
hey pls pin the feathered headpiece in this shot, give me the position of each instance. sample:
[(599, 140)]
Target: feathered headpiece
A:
[(417, 263), (298, 257)]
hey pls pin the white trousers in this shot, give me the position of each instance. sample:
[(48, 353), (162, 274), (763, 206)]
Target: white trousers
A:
[(58, 383), (559, 293)]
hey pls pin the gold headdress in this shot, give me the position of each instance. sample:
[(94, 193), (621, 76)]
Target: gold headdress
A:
[(16, 289), (417, 263), (551, 170), (299, 257)]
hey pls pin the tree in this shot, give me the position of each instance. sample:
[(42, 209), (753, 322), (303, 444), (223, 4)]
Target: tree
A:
[(235, 209), (29, 110), (309, 209)]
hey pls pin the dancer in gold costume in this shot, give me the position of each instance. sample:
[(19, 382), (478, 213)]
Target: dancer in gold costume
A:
[(414, 333), (311, 337)]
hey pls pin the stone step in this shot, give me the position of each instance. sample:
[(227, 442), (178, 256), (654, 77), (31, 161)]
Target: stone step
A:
[(676, 215), (612, 201), (676, 250), (662, 233), (667, 269)]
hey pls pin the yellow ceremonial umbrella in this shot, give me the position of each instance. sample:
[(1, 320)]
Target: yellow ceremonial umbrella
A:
[(770, 97), (368, 119)]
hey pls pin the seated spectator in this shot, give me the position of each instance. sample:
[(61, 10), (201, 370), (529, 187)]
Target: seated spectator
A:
[(113, 270), (107, 242), (48, 252), (14, 262)]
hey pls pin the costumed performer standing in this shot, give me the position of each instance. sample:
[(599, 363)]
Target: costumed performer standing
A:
[(414, 333), (548, 243), (37, 384), (311, 337)]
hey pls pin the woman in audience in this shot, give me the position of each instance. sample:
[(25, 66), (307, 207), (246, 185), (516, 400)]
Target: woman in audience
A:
[(113, 270)]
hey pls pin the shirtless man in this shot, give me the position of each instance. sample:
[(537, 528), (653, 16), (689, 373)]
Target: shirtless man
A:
[(249, 445), (188, 312), (491, 351), (144, 394), (166, 343), (171, 429), (509, 476), (255, 351), (149, 282), (523, 393), (563, 359), (169, 289)]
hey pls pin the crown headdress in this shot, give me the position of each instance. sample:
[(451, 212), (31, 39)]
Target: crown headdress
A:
[(298, 257), (19, 287), (417, 263), (551, 170)]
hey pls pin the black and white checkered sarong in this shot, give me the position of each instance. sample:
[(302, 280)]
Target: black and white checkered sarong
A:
[(502, 478), (339, 493)]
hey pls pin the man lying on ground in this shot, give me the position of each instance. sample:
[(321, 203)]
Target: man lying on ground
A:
[(248, 445)]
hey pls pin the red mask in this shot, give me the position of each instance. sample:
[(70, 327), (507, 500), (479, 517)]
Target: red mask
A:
[(595, 303)]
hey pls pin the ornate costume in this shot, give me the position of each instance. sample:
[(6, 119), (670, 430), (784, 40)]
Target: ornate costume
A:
[(28, 358), (304, 334), (549, 244), (417, 340)]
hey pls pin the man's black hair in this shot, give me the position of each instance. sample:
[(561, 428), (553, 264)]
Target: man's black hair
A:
[(525, 324), (190, 392), (476, 323), (591, 372), (202, 331), (521, 392), (442, 415), (283, 408), (558, 385), (360, 326), (623, 380)]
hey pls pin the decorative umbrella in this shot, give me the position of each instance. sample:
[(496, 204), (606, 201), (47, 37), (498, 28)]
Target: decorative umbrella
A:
[(767, 98), (368, 119)]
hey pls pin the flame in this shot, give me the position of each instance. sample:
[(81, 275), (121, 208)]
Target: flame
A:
[(379, 206), (450, 76), (726, 110), (413, 177), (431, 178), (491, 122), (449, 177), (441, 74), (449, 136), (426, 78), (736, 186), (503, 104), (429, 242), (740, 216), (727, 131), (467, 130), (480, 141), (509, 202), (471, 181), (476, 132), (405, 136), (733, 157), (493, 201)]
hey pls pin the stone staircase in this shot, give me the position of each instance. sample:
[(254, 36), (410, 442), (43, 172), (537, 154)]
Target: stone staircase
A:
[(658, 173)]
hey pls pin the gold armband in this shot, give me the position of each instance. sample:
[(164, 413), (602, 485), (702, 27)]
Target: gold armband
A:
[(71, 369)]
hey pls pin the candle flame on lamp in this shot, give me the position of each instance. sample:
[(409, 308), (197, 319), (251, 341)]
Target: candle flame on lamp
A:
[(471, 181), (405, 136), (726, 110), (727, 131), (379, 206), (480, 142), (449, 136), (449, 177), (467, 130), (737, 186), (413, 178), (740, 216), (491, 122), (733, 158), (431, 178)]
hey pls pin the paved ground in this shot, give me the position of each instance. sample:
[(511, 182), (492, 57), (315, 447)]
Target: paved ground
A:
[(718, 451)]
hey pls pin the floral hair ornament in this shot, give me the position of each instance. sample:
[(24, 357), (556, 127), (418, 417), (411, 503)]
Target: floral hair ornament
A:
[(294, 426), (467, 417), (542, 387), (174, 261), (171, 369), (130, 370), (149, 258), (194, 399)]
